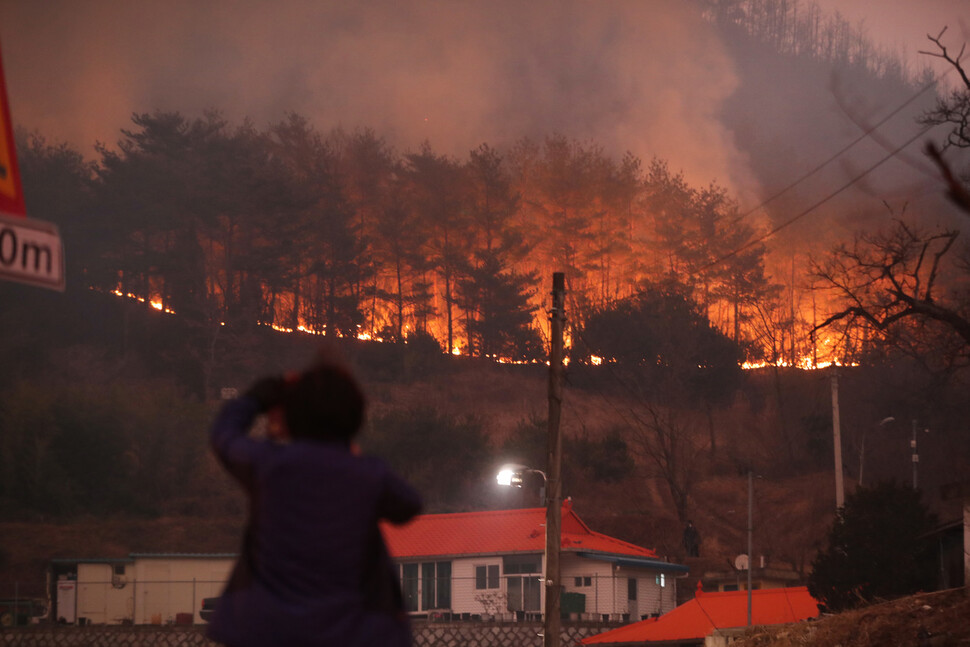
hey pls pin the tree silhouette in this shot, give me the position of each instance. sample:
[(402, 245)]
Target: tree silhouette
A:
[(875, 549), (893, 281), (661, 335)]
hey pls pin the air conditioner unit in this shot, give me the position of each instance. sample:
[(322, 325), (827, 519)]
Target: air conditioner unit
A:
[(119, 581)]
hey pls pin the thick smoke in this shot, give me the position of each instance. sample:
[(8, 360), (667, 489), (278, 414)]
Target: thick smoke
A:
[(650, 77)]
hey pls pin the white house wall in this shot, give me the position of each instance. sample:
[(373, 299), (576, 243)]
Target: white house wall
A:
[(465, 598), (157, 590), (151, 590), (98, 601), (601, 594), (608, 590), (166, 587)]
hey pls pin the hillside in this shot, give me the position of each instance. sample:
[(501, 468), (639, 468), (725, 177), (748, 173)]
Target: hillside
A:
[(636, 507), (938, 619), (455, 421)]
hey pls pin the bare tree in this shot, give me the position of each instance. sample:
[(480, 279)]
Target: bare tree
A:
[(907, 275), (665, 437), (953, 110), (887, 278)]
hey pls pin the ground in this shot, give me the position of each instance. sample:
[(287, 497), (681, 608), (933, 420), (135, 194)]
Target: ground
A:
[(939, 619)]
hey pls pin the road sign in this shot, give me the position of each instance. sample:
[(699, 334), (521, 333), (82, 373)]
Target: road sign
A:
[(31, 252), (11, 192)]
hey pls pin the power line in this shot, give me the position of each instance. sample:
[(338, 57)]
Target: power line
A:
[(868, 132), (842, 150), (816, 205)]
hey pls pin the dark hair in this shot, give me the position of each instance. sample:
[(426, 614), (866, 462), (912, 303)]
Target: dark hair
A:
[(324, 403)]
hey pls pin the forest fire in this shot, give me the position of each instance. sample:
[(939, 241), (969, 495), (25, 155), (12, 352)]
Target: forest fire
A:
[(823, 355), (155, 303)]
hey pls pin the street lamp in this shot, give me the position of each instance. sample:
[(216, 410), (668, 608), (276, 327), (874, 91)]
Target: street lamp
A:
[(915, 449), (512, 475)]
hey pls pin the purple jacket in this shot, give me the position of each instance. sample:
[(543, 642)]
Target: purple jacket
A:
[(313, 570)]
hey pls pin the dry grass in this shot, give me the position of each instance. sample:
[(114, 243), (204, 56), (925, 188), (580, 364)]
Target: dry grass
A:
[(939, 619)]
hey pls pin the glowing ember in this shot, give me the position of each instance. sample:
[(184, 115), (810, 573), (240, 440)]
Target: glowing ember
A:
[(803, 364), (155, 303)]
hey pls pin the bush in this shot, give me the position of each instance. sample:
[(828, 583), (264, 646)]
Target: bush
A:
[(875, 550)]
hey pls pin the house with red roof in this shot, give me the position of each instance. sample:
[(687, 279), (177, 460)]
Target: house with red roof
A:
[(711, 614), (470, 566), (489, 565)]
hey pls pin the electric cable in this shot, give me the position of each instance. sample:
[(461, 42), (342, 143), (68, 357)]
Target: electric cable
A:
[(842, 150), (819, 203), (826, 162)]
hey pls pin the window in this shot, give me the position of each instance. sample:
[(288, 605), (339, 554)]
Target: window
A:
[(631, 589), (522, 585), (443, 585), (486, 577), (585, 580), (524, 593), (432, 588), (519, 564), (661, 580), (409, 586)]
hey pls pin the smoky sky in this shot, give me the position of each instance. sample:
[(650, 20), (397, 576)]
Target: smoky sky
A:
[(643, 76), (648, 76)]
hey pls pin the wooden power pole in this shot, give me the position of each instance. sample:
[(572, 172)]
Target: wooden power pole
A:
[(553, 587)]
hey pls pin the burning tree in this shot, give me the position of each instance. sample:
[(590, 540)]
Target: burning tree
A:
[(909, 275), (897, 283)]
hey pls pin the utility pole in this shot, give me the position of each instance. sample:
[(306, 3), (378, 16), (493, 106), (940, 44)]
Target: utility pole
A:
[(553, 587), (912, 444), (837, 440), (750, 534)]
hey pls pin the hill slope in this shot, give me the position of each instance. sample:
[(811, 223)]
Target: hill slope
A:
[(926, 620)]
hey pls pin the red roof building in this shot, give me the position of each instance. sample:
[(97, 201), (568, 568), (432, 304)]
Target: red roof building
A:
[(490, 564), (693, 621)]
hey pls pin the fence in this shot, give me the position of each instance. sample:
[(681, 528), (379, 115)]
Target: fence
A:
[(593, 598), (425, 634)]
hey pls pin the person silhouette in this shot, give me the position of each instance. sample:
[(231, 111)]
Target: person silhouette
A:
[(313, 569), (692, 540)]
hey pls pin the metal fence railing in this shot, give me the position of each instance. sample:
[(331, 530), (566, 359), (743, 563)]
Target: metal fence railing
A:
[(596, 598)]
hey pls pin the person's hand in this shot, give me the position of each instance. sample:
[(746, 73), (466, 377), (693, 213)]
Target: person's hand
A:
[(267, 392)]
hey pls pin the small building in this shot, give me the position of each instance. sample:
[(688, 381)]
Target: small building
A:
[(697, 622), (143, 588), (464, 566), (490, 565), (764, 575)]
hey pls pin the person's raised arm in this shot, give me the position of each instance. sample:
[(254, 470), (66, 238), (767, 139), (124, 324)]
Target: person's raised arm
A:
[(399, 501), (229, 434)]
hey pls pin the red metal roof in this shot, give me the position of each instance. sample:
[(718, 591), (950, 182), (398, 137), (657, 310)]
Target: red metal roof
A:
[(709, 611), (498, 532)]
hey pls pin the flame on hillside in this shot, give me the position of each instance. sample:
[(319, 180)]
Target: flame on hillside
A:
[(155, 303), (824, 356)]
